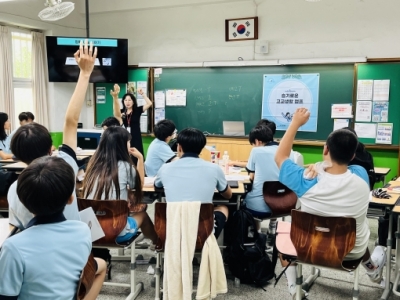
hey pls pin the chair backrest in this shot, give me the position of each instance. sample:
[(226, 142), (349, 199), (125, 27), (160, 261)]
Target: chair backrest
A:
[(323, 241), (112, 216), (87, 278), (206, 224), (280, 199)]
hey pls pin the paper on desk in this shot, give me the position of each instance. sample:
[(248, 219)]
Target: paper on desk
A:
[(87, 215), (236, 177), (149, 181)]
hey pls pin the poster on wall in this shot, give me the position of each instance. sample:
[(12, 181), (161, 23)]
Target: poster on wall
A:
[(380, 111), (284, 93), (100, 95), (384, 133)]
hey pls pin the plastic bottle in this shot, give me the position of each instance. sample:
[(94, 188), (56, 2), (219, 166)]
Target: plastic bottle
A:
[(225, 159)]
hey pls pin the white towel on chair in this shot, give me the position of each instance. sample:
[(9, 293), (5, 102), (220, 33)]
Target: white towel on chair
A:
[(212, 278), (180, 244)]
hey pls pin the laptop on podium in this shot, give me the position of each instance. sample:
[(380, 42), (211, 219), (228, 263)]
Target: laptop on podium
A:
[(233, 128)]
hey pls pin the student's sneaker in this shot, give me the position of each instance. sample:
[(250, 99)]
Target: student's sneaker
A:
[(379, 259), (152, 247), (292, 291)]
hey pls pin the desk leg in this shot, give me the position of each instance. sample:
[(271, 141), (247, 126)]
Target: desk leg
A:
[(397, 273), (386, 291)]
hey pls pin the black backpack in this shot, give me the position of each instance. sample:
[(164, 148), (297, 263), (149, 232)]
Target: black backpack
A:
[(246, 256)]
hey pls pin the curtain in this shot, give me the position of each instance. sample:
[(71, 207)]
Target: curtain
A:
[(6, 75), (39, 79)]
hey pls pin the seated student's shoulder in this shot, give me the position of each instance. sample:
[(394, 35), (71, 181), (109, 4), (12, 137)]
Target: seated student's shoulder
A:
[(359, 171)]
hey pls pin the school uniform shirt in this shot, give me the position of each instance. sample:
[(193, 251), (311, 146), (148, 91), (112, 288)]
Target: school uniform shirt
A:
[(342, 195), (5, 144), (19, 215), (191, 178), (159, 152), (262, 164), (45, 261), (126, 176)]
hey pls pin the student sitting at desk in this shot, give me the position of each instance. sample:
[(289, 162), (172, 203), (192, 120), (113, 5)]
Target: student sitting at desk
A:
[(26, 118), (191, 178), (262, 167), (339, 190), (109, 173), (159, 151), (5, 124), (45, 260), (33, 140)]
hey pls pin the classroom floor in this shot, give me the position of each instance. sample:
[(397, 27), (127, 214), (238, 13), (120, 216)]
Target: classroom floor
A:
[(330, 285)]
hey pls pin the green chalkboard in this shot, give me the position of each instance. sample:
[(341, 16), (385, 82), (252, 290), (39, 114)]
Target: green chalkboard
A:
[(222, 94), (379, 71)]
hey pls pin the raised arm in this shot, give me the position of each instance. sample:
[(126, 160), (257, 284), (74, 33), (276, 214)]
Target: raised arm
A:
[(85, 58), (148, 101), (300, 117), (116, 108)]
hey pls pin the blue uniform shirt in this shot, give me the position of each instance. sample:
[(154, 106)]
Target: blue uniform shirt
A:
[(5, 144), (158, 153), (190, 178)]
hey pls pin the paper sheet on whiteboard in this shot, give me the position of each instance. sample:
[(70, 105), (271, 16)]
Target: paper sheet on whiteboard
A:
[(365, 130)]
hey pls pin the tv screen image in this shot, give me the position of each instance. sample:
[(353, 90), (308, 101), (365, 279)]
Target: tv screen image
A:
[(111, 64)]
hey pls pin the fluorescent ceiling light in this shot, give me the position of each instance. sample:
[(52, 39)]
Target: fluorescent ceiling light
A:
[(171, 65), (239, 63), (331, 60)]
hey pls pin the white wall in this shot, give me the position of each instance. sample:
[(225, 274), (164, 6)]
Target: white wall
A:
[(24, 14), (193, 30)]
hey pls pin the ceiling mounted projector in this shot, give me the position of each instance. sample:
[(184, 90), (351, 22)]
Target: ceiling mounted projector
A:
[(56, 10)]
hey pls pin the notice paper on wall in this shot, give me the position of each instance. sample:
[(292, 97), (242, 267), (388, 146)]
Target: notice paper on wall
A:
[(340, 123), (381, 90), (143, 124), (159, 114), (384, 133), (100, 95), (341, 111), (141, 85), (380, 111), (159, 99), (363, 111), (364, 89), (176, 97), (365, 130)]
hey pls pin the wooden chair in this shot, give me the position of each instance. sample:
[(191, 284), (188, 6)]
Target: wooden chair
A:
[(205, 228), (318, 241), (112, 216)]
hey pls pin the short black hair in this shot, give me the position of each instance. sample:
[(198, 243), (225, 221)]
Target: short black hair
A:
[(31, 141), (164, 129), (46, 185), (191, 140), (271, 125), (110, 121), (30, 115), (262, 133), (23, 117), (342, 145)]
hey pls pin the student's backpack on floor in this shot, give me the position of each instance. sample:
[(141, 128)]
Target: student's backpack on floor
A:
[(246, 256)]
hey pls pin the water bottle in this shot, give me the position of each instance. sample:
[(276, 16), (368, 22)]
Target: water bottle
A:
[(225, 159)]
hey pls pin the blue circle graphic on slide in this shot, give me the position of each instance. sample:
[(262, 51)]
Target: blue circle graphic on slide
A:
[(241, 29)]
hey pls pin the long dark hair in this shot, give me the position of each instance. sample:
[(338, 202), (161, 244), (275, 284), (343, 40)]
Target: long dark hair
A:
[(3, 120), (103, 166), (134, 107)]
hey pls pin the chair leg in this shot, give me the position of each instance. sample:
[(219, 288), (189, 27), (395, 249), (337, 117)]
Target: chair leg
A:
[(299, 282), (135, 288), (158, 276), (315, 272), (356, 290)]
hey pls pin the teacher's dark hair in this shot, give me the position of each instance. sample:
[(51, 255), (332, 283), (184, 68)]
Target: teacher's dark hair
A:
[(46, 185), (342, 145), (3, 120), (31, 141), (191, 140), (164, 129)]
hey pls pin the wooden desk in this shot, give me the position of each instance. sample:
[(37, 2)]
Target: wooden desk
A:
[(381, 174), (16, 166), (4, 230), (7, 161)]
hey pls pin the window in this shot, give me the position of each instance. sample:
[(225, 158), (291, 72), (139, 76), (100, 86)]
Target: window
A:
[(22, 72)]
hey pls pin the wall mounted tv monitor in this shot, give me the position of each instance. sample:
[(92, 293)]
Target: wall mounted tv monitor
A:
[(111, 63)]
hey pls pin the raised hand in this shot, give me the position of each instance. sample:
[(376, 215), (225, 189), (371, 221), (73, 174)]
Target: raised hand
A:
[(86, 57), (301, 116), (116, 91)]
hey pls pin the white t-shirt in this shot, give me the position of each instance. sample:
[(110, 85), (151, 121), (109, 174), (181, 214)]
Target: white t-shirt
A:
[(343, 195)]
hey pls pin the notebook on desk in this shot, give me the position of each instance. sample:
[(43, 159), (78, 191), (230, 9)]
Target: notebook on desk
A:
[(233, 128)]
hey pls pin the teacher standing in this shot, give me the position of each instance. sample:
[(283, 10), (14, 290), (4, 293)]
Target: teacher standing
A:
[(130, 114)]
